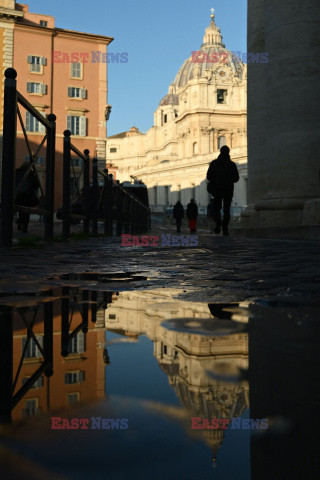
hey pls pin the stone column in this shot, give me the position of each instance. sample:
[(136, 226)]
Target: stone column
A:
[(283, 112), (257, 161)]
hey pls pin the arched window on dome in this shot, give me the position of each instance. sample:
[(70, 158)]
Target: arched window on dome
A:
[(221, 141), (195, 148)]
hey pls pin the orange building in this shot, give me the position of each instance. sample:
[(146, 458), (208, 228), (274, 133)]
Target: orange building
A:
[(79, 377), (63, 72)]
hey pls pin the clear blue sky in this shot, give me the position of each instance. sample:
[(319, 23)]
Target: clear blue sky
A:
[(158, 36)]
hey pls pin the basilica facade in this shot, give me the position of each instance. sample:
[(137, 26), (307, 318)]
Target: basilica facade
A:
[(205, 108)]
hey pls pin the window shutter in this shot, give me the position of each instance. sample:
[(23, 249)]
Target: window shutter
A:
[(29, 59), (83, 126), (29, 87), (43, 61), (43, 88), (66, 378), (42, 128), (83, 93), (69, 123), (28, 122), (70, 92), (40, 340), (80, 342), (81, 376)]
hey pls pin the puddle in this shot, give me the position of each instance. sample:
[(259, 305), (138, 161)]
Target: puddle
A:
[(149, 367)]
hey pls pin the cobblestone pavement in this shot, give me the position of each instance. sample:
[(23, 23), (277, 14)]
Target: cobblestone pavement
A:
[(221, 269)]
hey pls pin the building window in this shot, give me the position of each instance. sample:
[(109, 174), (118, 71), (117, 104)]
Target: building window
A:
[(31, 407), (32, 350), (113, 150), (77, 125), (73, 397), (165, 350), (179, 193), (37, 384), (175, 114), (43, 23), (221, 142), (33, 125), (75, 92), (195, 148), (39, 88), (40, 160), (77, 343), (193, 191), (76, 70), (166, 195), (155, 190), (36, 63), (222, 96), (74, 377), (77, 162), (165, 118)]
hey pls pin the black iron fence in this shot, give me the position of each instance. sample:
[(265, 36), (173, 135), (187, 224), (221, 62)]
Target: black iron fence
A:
[(12, 193), (100, 200)]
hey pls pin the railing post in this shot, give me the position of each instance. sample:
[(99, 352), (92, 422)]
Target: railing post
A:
[(119, 208), (66, 183), (50, 180), (105, 202), (110, 204), (6, 359), (95, 196), (48, 337), (65, 305), (8, 156), (127, 215), (85, 310), (86, 192)]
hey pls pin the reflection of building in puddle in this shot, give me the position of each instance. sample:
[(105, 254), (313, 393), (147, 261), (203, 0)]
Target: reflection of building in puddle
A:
[(185, 357), (77, 377)]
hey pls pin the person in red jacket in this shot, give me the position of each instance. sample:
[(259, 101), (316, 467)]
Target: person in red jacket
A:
[(192, 215)]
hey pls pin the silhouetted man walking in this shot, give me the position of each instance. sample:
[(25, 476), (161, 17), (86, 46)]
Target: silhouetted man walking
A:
[(222, 174), (178, 214)]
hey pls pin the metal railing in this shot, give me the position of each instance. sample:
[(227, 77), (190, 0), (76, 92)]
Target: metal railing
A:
[(82, 193), (104, 200), (10, 191)]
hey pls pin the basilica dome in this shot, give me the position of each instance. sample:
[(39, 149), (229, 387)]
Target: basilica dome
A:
[(211, 56)]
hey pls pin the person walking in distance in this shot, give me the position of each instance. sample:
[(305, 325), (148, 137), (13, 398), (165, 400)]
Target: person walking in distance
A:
[(222, 175), (178, 215), (192, 215)]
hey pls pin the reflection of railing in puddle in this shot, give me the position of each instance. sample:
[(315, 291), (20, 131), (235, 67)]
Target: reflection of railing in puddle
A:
[(46, 334)]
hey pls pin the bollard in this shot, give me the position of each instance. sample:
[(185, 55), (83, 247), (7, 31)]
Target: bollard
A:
[(50, 173), (8, 156), (95, 197), (86, 192), (66, 183)]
